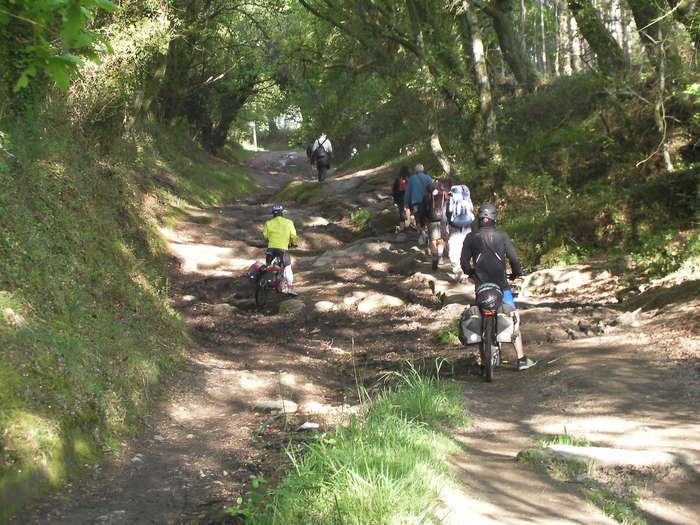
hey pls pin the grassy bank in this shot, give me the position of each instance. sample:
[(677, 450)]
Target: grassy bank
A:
[(386, 466), (85, 324)]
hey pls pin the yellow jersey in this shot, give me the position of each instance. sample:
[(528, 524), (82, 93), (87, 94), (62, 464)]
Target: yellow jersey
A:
[(279, 233)]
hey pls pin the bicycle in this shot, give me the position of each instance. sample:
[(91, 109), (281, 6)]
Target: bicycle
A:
[(267, 277), (488, 323)]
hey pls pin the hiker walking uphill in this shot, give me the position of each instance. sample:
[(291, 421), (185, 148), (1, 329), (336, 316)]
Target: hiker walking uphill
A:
[(321, 154), (460, 216), (415, 193), (399, 191), (435, 208)]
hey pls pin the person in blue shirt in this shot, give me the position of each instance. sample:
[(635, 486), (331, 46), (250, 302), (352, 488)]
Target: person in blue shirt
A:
[(415, 193)]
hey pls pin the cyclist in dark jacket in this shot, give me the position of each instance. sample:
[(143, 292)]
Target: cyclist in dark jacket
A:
[(484, 255)]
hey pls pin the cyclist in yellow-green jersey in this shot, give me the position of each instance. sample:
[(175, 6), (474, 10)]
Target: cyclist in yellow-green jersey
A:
[(280, 234)]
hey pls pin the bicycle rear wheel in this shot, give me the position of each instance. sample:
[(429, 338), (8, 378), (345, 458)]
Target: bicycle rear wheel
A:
[(487, 345)]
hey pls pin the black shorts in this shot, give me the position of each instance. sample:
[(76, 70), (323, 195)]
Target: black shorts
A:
[(271, 253)]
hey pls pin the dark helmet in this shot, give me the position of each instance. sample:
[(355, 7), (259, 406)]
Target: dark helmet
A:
[(487, 211), (277, 210)]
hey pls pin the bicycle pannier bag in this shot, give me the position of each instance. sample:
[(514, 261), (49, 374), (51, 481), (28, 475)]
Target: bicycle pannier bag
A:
[(253, 271), (507, 324), (470, 326)]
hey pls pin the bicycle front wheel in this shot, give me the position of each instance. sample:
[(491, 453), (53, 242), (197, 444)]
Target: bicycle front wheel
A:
[(261, 291)]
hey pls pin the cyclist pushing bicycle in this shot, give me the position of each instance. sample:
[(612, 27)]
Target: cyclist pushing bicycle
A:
[(280, 234), (483, 259)]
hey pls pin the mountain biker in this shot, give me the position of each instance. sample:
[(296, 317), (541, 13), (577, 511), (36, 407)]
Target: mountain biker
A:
[(435, 204), (321, 154), (280, 234), (487, 249), (415, 193)]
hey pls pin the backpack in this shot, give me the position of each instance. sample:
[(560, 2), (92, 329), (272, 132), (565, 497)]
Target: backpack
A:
[(320, 152), (461, 208), (436, 196), (402, 184)]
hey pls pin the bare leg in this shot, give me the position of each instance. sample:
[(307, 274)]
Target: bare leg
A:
[(518, 345), (288, 275)]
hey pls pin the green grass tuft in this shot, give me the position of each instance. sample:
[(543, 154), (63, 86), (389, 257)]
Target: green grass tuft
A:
[(450, 334), (620, 503), (387, 466), (360, 218)]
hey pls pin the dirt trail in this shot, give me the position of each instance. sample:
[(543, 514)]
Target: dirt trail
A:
[(206, 440)]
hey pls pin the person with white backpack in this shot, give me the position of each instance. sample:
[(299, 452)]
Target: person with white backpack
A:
[(321, 155), (460, 215)]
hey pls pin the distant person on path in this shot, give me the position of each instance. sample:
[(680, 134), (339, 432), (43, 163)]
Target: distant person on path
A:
[(460, 215), (280, 234), (399, 191), (415, 193), (322, 152), (484, 260), (437, 195)]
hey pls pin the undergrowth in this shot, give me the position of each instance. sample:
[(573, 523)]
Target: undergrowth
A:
[(360, 218), (386, 466), (450, 334)]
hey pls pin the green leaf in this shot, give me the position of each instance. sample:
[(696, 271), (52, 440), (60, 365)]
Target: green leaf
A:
[(59, 71), (22, 82), (69, 58), (103, 4), (74, 21)]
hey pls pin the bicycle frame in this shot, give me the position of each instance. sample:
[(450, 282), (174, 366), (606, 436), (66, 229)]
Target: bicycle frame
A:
[(489, 298), (264, 284)]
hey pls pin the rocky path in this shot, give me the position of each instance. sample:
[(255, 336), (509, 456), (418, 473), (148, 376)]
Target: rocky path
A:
[(254, 377)]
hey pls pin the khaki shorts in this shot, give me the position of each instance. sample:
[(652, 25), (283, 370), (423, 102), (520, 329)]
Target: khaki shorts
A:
[(435, 231)]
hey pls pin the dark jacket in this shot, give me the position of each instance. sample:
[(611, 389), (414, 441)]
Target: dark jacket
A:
[(399, 193), (486, 251)]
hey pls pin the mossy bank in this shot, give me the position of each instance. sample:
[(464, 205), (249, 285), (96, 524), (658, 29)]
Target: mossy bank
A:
[(85, 327)]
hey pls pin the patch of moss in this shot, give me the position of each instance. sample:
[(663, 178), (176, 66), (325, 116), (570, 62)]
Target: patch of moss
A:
[(298, 192), (386, 220)]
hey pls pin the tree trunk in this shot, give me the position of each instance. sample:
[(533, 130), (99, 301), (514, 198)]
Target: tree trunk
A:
[(543, 40), (660, 109), (511, 43), (173, 89), (608, 51), (575, 49), (436, 146), (432, 110), (654, 30), (565, 58), (473, 43), (230, 106), (622, 23), (688, 14)]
